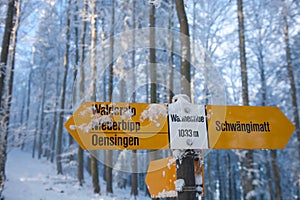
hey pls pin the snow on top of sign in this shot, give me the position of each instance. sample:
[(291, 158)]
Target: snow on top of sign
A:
[(181, 98), (84, 127), (180, 102), (209, 113), (86, 111), (171, 161), (165, 194), (72, 127), (153, 112), (103, 119), (178, 154), (127, 114)]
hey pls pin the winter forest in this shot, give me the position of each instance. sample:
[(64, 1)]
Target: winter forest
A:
[(56, 54)]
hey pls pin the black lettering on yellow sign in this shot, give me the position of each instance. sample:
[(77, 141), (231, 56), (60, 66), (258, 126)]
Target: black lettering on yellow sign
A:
[(117, 126), (103, 109), (115, 140), (242, 127)]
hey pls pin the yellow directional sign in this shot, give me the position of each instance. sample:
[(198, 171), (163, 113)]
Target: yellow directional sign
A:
[(160, 178), (247, 127), (110, 126)]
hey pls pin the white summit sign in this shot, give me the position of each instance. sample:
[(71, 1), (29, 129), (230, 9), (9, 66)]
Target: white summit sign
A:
[(187, 125)]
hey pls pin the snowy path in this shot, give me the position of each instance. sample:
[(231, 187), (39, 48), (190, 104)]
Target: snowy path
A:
[(33, 179)]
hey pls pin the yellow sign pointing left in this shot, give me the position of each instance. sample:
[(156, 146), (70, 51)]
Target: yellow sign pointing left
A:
[(113, 126)]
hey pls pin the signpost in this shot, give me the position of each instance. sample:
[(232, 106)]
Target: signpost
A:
[(115, 126)]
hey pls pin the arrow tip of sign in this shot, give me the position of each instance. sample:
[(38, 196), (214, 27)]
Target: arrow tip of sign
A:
[(71, 127)]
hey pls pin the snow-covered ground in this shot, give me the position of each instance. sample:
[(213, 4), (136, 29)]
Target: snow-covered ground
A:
[(33, 179)]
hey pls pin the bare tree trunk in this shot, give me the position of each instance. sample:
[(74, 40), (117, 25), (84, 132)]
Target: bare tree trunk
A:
[(41, 114), (3, 68), (134, 165), (94, 161), (80, 174), (153, 154), (247, 179), (63, 94), (276, 175), (185, 170), (80, 159), (108, 154), (28, 102), (171, 59), (295, 108), (152, 55), (5, 46), (244, 74), (185, 69), (134, 180), (291, 73), (35, 133)]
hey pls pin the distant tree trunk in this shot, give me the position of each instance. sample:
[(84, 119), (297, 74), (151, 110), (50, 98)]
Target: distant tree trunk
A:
[(134, 165), (28, 101), (276, 175), (134, 180), (80, 174), (211, 188), (186, 167), (152, 55), (94, 161), (247, 179), (63, 94), (244, 74), (52, 136), (36, 119), (153, 154), (185, 69), (291, 73), (5, 46), (3, 68), (171, 59), (108, 154), (41, 114), (13, 45), (80, 159)]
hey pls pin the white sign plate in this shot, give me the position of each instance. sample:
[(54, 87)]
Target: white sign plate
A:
[(187, 126)]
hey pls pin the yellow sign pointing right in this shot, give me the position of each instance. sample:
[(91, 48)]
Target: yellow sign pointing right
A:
[(247, 127)]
